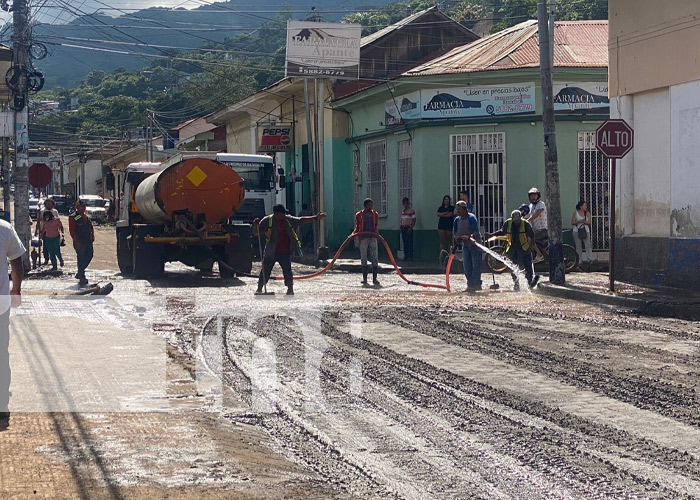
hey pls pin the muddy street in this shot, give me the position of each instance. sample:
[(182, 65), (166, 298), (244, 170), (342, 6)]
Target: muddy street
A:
[(399, 393), (350, 392)]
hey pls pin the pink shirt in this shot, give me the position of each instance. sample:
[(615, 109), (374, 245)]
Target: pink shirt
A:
[(52, 228)]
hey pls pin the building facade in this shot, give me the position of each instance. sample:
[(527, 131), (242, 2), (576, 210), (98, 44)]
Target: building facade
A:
[(655, 87), (471, 120)]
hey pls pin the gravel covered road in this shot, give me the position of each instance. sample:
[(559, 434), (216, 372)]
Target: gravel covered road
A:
[(400, 392)]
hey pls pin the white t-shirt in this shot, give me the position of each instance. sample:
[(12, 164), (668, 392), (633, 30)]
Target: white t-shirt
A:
[(541, 221), (10, 247)]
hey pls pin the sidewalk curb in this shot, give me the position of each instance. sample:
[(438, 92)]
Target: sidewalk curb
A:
[(593, 297)]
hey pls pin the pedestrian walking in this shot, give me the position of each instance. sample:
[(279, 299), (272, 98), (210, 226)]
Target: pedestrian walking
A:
[(281, 241), (83, 234), (581, 222), (408, 221), (12, 251), (367, 220), (48, 206), (446, 215), (52, 233), (519, 239), (538, 221), (466, 231)]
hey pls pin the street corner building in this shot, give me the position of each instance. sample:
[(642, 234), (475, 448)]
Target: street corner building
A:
[(471, 119), (655, 87)]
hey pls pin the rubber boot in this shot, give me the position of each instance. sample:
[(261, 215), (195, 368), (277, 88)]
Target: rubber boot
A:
[(375, 281), (365, 270), (290, 290)]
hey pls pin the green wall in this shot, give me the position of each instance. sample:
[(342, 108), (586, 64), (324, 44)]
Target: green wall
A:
[(524, 156)]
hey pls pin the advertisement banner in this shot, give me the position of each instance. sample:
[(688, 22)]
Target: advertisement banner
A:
[(472, 102), (402, 109), (323, 50), (277, 138), (581, 97)]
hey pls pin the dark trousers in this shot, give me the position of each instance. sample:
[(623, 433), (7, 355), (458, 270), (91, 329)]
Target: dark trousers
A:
[(471, 258), (45, 251), (84, 255), (524, 261), (285, 262), (5, 373), (407, 237), (53, 247)]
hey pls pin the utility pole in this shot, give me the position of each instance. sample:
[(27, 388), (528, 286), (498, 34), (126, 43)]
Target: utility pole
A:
[(311, 156), (551, 165), (20, 46), (6, 177), (81, 185)]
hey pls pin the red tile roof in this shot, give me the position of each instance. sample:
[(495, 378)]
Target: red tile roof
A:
[(580, 44)]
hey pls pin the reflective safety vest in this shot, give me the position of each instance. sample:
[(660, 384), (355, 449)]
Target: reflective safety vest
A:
[(524, 242), (268, 233)]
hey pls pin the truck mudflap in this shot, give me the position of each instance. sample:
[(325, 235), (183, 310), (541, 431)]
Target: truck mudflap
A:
[(238, 253), (148, 259)]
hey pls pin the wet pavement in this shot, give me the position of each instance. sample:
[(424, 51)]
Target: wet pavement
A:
[(344, 391)]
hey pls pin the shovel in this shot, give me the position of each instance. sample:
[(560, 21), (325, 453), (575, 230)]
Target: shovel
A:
[(262, 262)]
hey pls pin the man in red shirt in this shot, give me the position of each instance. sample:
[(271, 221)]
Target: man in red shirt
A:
[(367, 221), (280, 242), (83, 234)]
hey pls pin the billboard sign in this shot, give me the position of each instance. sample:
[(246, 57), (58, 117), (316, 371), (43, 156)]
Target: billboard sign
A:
[(277, 138), (323, 50), (475, 102), (581, 97), (401, 109)]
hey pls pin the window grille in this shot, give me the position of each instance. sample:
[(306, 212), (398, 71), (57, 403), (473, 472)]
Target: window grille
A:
[(376, 174)]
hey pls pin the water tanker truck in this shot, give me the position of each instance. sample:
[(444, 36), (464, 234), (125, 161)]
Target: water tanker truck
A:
[(180, 211)]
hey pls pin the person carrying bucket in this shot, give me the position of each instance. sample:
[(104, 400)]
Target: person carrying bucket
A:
[(281, 241), (466, 230)]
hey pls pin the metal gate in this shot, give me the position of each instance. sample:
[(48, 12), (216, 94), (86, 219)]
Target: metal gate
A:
[(594, 189), (405, 171), (376, 174), (478, 166), (356, 179)]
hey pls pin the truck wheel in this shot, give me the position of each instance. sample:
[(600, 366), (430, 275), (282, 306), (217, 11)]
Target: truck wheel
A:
[(225, 273), (124, 258)]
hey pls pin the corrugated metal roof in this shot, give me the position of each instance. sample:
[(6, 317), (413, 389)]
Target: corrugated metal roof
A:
[(576, 44), (366, 40), (378, 35)]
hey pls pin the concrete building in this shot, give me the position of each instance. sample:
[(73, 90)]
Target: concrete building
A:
[(471, 120), (655, 87)]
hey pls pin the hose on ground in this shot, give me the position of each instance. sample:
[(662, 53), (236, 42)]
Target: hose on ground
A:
[(446, 286)]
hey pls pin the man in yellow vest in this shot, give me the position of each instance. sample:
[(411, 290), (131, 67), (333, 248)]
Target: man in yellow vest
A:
[(519, 240), (281, 241)]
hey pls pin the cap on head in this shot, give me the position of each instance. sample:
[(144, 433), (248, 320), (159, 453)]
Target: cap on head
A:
[(515, 215), (461, 204), (279, 208)]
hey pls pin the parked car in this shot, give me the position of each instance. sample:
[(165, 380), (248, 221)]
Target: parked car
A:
[(33, 208), (95, 207), (64, 204)]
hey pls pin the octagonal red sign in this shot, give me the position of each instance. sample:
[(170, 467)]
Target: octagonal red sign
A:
[(40, 175), (614, 138)]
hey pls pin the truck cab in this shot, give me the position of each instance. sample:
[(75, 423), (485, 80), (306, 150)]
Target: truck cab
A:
[(264, 183)]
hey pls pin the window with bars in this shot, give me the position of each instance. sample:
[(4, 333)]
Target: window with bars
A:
[(356, 179), (376, 174), (477, 166), (405, 171), (594, 189)]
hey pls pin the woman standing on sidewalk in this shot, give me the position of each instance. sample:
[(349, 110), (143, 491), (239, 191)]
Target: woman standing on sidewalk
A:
[(446, 214), (581, 222), (52, 230)]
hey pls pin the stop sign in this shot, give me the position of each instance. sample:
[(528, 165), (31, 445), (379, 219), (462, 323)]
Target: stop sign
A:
[(40, 175), (614, 138)]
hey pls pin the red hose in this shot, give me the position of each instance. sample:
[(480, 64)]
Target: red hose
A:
[(446, 286)]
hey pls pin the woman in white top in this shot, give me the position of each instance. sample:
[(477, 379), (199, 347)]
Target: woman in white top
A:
[(582, 219)]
